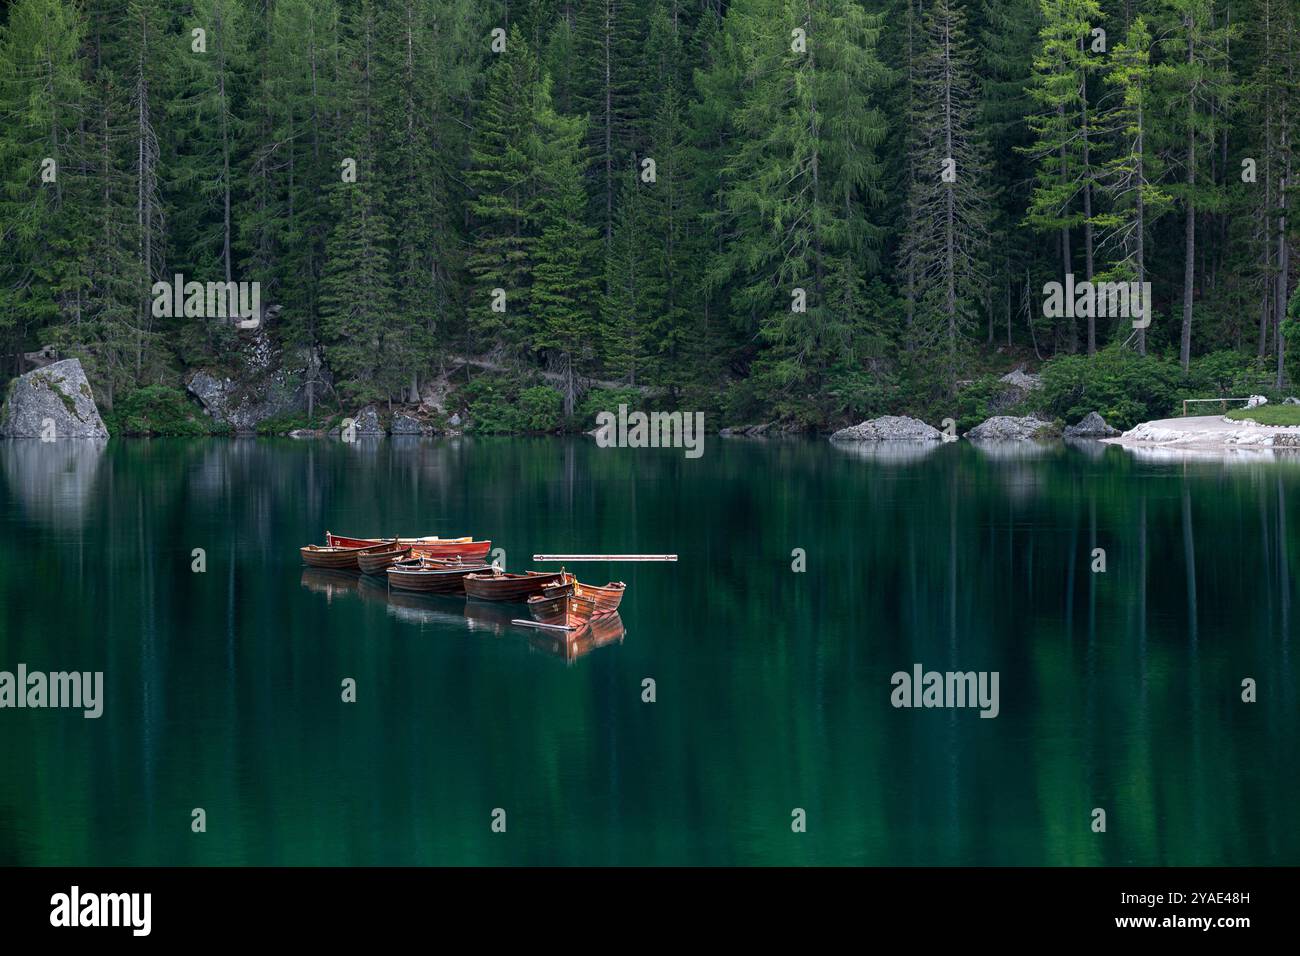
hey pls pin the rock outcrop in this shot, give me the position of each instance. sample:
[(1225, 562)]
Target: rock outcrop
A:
[(1091, 425), (889, 428), (745, 431), (367, 423), (405, 424), (52, 402), (1010, 428), (1018, 386), (1025, 381), (267, 383)]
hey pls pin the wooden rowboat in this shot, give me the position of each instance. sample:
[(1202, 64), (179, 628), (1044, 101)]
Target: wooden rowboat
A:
[(337, 558), (438, 577), (499, 586), (453, 549), (377, 562), (607, 598), (431, 546), (562, 605)]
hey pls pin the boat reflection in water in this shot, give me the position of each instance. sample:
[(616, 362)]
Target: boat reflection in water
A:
[(414, 607), (599, 632)]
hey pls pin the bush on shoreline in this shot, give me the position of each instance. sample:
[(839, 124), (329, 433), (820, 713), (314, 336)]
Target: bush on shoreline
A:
[(160, 411)]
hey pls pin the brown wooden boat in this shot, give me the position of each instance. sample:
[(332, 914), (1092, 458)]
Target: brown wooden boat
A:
[(336, 557), (430, 547), (377, 562), (438, 577), (499, 586), (607, 598), (563, 605)]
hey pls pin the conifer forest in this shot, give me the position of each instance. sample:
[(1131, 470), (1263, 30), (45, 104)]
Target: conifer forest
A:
[(795, 211)]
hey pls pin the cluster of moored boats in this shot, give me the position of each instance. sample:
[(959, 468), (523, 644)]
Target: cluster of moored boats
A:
[(458, 566)]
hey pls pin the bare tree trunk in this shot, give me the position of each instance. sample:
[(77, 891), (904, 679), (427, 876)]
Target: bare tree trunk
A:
[(1283, 247), (225, 142)]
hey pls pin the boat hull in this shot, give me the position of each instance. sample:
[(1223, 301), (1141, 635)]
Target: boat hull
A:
[(377, 562), (516, 588), (430, 547), (432, 578), (607, 598), (564, 608), (336, 558)]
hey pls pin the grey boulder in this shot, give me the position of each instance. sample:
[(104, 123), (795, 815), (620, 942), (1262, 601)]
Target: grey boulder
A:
[(57, 395), (1091, 425), (404, 424), (1010, 428), (889, 428)]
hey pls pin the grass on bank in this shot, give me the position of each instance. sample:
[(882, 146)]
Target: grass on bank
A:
[(1268, 414)]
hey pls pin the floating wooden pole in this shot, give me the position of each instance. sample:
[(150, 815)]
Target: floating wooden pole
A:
[(550, 627), (604, 557)]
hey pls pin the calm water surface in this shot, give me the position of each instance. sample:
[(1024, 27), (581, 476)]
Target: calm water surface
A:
[(1119, 690)]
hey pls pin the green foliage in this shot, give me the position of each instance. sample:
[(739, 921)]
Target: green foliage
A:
[(1121, 386), (607, 400), (283, 424), (502, 405), (977, 401), (781, 161), (540, 409), (159, 410)]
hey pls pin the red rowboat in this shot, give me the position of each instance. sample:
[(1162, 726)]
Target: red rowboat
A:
[(431, 546)]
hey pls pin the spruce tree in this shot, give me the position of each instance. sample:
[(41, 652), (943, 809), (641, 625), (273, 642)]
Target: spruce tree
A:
[(799, 188), (564, 293), (357, 312), (1195, 80), (504, 196), (945, 246)]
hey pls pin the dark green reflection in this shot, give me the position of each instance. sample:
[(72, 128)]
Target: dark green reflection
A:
[(1118, 690)]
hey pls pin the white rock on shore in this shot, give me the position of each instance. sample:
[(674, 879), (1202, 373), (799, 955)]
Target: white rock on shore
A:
[(1207, 432)]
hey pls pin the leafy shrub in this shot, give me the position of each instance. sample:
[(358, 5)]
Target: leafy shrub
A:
[(283, 424), (1122, 386), (159, 410), (975, 402), (607, 400), (540, 409), (499, 405)]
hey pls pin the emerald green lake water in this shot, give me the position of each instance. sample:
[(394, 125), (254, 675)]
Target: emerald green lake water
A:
[(1118, 690)]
